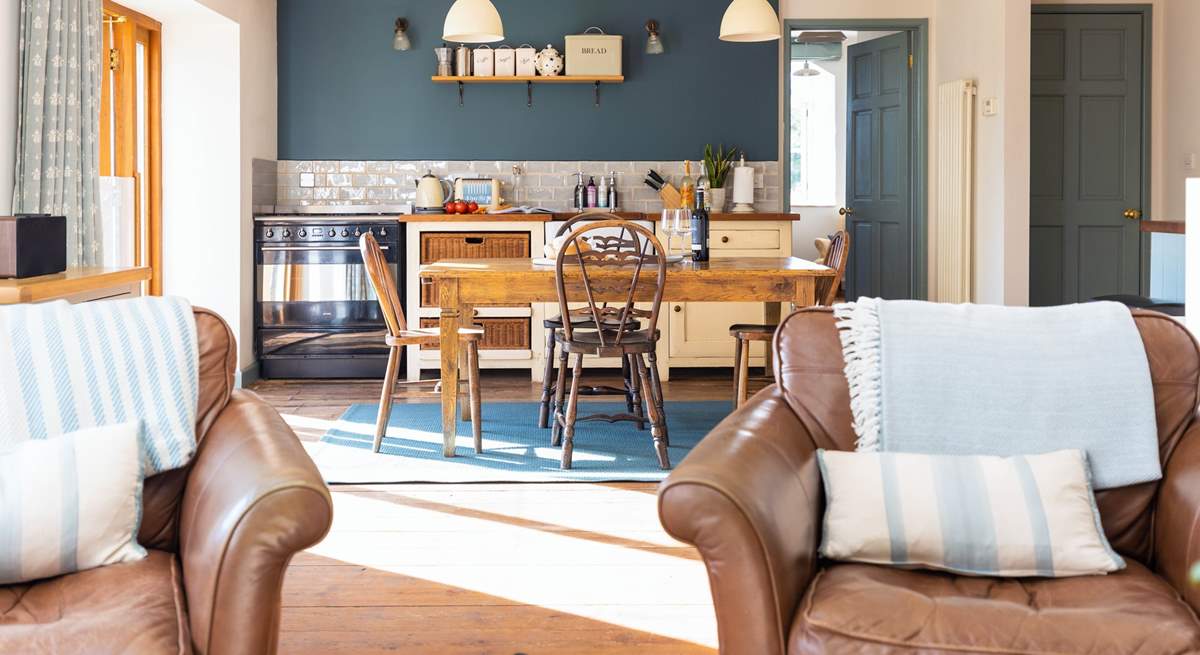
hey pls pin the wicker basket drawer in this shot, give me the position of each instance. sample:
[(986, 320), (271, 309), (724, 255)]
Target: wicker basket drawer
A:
[(498, 333), (436, 246)]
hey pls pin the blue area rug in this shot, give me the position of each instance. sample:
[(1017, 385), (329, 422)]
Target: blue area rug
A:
[(515, 449)]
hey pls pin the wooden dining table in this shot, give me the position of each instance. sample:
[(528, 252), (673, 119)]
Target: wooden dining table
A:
[(463, 284)]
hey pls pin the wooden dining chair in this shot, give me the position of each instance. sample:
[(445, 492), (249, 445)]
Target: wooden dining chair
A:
[(632, 266), (399, 336), (581, 319), (744, 333)]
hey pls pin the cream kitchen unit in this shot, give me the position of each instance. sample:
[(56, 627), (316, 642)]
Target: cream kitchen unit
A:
[(694, 334)]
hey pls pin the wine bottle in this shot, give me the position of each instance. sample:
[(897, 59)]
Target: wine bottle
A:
[(591, 192), (700, 229), (687, 186), (703, 186)]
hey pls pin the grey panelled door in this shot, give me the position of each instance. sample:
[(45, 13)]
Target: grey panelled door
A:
[(1086, 169), (878, 174)]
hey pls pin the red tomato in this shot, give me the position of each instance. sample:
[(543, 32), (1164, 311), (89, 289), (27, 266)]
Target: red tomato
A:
[(472, 206), (460, 207), (448, 207)]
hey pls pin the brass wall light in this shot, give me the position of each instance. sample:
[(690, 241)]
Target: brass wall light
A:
[(401, 41), (654, 44)]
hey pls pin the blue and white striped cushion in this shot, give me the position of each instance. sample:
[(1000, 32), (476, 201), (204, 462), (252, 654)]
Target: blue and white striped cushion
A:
[(68, 367), (1031, 515), (70, 503)]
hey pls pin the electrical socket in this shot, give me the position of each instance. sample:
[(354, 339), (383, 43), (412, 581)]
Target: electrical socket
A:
[(759, 181)]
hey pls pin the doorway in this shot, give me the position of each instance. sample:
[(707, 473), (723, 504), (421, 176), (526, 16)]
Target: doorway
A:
[(855, 146), (1089, 134)]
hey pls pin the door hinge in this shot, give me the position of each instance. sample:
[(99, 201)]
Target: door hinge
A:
[(910, 59), (114, 59)]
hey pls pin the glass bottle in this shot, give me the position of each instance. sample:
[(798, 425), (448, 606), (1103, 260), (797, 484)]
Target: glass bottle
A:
[(687, 186)]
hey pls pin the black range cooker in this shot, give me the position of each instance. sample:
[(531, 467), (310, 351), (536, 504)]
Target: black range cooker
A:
[(317, 315)]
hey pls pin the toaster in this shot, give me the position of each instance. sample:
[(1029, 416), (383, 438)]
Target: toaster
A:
[(484, 191), (32, 245)]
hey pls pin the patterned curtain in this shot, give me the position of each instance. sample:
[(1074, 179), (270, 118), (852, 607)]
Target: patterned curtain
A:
[(58, 128)]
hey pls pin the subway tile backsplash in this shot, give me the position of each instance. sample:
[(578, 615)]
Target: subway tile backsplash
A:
[(547, 184)]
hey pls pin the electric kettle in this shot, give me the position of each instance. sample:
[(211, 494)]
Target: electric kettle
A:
[(431, 195)]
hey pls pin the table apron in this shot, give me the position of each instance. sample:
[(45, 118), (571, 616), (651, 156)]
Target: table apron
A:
[(514, 290)]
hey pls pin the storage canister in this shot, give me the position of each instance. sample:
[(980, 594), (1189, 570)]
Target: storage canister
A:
[(526, 57), (506, 61), (485, 61), (593, 53)]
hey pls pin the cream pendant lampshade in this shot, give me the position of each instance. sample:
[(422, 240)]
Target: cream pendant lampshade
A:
[(748, 21), (473, 21)]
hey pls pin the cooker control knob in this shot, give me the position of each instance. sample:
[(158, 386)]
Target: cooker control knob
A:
[(287, 234), (357, 232), (270, 233), (383, 231), (303, 233), (345, 232), (332, 232)]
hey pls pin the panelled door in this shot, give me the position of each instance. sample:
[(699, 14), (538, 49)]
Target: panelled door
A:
[(1086, 183), (878, 207)]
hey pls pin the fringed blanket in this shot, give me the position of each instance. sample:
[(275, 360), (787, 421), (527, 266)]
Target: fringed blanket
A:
[(986, 380)]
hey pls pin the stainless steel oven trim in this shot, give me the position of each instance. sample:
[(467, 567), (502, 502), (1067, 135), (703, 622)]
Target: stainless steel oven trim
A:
[(338, 248)]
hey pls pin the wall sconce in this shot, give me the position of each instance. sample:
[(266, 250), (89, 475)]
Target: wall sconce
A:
[(401, 41), (654, 44)]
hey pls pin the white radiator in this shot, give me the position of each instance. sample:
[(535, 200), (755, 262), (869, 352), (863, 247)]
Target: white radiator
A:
[(953, 256)]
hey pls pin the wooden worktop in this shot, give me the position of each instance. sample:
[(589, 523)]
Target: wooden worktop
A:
[(72, 282), (562, 216)]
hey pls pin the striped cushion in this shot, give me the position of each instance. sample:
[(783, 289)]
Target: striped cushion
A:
[(69, 367), (1031, 515), (70, 503)]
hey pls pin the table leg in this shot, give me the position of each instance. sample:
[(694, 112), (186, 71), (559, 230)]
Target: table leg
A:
[(468, 319), (773, 314), (451, 320), (806, 292)]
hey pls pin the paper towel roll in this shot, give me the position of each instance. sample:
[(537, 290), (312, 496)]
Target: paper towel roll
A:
[(743, 189)]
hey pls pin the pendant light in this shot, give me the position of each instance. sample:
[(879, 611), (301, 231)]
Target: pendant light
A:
[(807, 71), (473, 21), (748, 21)]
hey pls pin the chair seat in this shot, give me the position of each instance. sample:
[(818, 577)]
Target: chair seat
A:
[(585, 322), (861, 608), (426, 336), (752, 332), (588, 342), (134, 608)]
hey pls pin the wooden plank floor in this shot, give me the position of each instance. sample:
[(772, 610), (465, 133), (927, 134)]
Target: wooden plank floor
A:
[(491, 568)]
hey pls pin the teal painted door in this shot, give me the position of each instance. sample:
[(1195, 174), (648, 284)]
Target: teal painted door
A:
[(1086, 146), (879, 174)]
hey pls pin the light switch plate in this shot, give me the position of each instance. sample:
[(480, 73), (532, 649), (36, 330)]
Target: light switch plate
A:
[(308, 180), (991, 106), (1189, 161)]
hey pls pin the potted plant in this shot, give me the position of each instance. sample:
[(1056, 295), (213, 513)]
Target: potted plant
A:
[(717, 166)]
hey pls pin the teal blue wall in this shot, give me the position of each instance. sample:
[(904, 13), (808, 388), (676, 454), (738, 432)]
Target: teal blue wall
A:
[(345, 94)]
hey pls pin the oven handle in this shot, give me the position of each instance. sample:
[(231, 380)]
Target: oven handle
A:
[(293, 248)]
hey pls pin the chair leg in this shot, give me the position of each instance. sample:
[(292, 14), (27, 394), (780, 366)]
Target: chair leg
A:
[(633, 390), (656, 418), (464, 406), (743, 368), (560, 392), (656, 395), (476, 394), (385, 397), (568, 445), (737, 372), (547, 382)]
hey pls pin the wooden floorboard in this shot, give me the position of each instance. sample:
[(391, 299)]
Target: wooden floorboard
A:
[(553, 568)]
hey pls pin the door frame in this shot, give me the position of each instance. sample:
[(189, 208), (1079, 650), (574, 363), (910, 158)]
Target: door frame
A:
[(918, 28), (1146, 11)]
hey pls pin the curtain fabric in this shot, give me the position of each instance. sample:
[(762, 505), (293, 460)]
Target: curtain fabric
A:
[(58, 128)]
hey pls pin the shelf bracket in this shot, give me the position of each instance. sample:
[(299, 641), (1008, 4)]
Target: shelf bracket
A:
[(460, 94), (596, 90), (529, 95)]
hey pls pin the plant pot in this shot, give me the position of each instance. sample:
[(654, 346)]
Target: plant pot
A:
[(718, 200)]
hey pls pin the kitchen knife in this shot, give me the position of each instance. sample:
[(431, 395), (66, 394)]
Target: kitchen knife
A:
[(653, 174), (652, 184)]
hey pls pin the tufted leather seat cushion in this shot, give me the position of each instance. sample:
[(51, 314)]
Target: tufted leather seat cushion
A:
[(135, 608), (852, 608)]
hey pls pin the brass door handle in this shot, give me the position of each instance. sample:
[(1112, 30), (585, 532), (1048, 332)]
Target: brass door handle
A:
[(1132, 214), (846, 211)]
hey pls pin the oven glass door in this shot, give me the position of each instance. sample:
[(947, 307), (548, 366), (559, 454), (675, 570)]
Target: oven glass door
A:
[(323, 343), (317, 285)]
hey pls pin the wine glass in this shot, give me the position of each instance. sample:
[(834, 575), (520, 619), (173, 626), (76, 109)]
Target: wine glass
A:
[(667, 225), (681, 225)]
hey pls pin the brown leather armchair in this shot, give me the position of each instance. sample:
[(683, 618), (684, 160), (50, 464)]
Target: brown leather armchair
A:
[(750, 498), (220, 534)]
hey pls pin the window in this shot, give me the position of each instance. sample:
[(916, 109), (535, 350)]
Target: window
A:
[(131, 127), (814, 165)]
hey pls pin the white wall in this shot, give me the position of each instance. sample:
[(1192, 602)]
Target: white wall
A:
[(9, 14), (1192, 200)]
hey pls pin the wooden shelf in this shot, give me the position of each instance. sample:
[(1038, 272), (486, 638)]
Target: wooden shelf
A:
[(527, 79)]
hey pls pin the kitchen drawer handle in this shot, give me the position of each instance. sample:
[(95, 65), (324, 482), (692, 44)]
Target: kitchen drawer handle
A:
[(724, 239), (474, 241), (678, 308)]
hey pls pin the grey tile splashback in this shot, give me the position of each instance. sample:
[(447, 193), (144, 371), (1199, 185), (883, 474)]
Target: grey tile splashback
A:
[(548, 184)]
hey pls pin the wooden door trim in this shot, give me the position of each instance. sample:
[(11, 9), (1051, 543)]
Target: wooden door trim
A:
[(1147, 13), (918, 28)]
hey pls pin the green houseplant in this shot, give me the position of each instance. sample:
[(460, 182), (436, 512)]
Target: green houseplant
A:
[(717, 166)]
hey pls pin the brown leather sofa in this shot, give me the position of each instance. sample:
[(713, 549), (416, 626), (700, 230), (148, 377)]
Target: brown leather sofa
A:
[(220, 533), (750, 498)]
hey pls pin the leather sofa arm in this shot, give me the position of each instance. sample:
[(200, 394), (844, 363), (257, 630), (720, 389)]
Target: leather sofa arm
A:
[(749, 498), (253, 499), (1177, 519)]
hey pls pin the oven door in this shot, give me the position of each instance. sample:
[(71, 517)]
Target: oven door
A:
[(317, 286)]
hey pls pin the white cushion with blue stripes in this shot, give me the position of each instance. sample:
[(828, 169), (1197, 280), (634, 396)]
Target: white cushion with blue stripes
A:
[(70, 503), (1031, 515), (67, 367)]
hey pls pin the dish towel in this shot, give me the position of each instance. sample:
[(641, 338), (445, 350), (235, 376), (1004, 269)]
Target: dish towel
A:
[(69, 367), (986, 380)]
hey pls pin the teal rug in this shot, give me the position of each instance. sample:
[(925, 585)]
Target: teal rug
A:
[(515, 449)]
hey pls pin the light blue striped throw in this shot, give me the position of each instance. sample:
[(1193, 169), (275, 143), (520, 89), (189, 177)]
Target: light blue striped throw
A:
[(68, 367), (985, 380), (1014, 516)]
